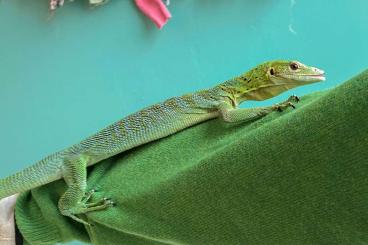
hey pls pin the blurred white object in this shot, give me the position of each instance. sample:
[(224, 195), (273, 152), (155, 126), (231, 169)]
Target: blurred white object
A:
[(7, 228)]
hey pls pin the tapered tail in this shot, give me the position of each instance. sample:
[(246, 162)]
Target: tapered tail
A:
[(42, 172)]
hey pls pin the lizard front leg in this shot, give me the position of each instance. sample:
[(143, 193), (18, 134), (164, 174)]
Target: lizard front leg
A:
[(75, 199), (229, 114)]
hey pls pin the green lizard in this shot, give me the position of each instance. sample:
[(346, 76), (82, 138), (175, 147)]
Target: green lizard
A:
[(157, 121)]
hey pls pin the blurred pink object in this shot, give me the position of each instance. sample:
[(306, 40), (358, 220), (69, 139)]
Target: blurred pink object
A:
[(155, 10)]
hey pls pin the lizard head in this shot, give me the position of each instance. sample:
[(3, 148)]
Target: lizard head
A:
[(274, 77), (292, 72)]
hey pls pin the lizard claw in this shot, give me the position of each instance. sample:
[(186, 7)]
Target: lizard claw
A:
[(292, 105), (294, 98), (109, 202)]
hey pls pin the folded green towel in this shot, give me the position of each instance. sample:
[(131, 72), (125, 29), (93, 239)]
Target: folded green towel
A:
[(296, 177)]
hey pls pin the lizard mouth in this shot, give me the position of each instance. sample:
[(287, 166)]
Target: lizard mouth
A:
[(306, 78), (316, 77)]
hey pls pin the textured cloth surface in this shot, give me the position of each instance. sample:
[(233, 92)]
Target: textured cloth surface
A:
[(296, 177)]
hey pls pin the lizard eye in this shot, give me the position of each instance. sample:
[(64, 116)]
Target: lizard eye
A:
[(272, 71), (294, 66)]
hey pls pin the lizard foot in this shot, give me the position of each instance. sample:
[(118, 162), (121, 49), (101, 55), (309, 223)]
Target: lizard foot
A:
[(89, 194), (293, 98), (84, 207), (288, 103), (281, 107), (98, 203)]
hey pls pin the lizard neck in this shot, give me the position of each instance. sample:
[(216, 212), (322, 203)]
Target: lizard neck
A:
[(240, 88), (254, 85)]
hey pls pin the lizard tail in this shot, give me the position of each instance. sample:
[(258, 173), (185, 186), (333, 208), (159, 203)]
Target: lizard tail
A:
[(42, 172)]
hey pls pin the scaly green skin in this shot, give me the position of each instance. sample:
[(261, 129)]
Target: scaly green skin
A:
[(173, 115)]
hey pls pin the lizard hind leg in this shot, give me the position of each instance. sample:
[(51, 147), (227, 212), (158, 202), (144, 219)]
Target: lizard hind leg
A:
[(75, 199)]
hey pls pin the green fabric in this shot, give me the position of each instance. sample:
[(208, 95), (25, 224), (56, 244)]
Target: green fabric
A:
[(296, 177)]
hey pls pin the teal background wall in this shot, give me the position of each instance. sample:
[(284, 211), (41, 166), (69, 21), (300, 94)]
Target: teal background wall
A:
[(63, 79)]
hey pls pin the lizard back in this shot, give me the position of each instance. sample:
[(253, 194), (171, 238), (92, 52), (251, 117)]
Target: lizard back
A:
[(149, 124)]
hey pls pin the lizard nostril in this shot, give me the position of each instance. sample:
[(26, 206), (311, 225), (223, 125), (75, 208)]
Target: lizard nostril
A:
[(318, 70)]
